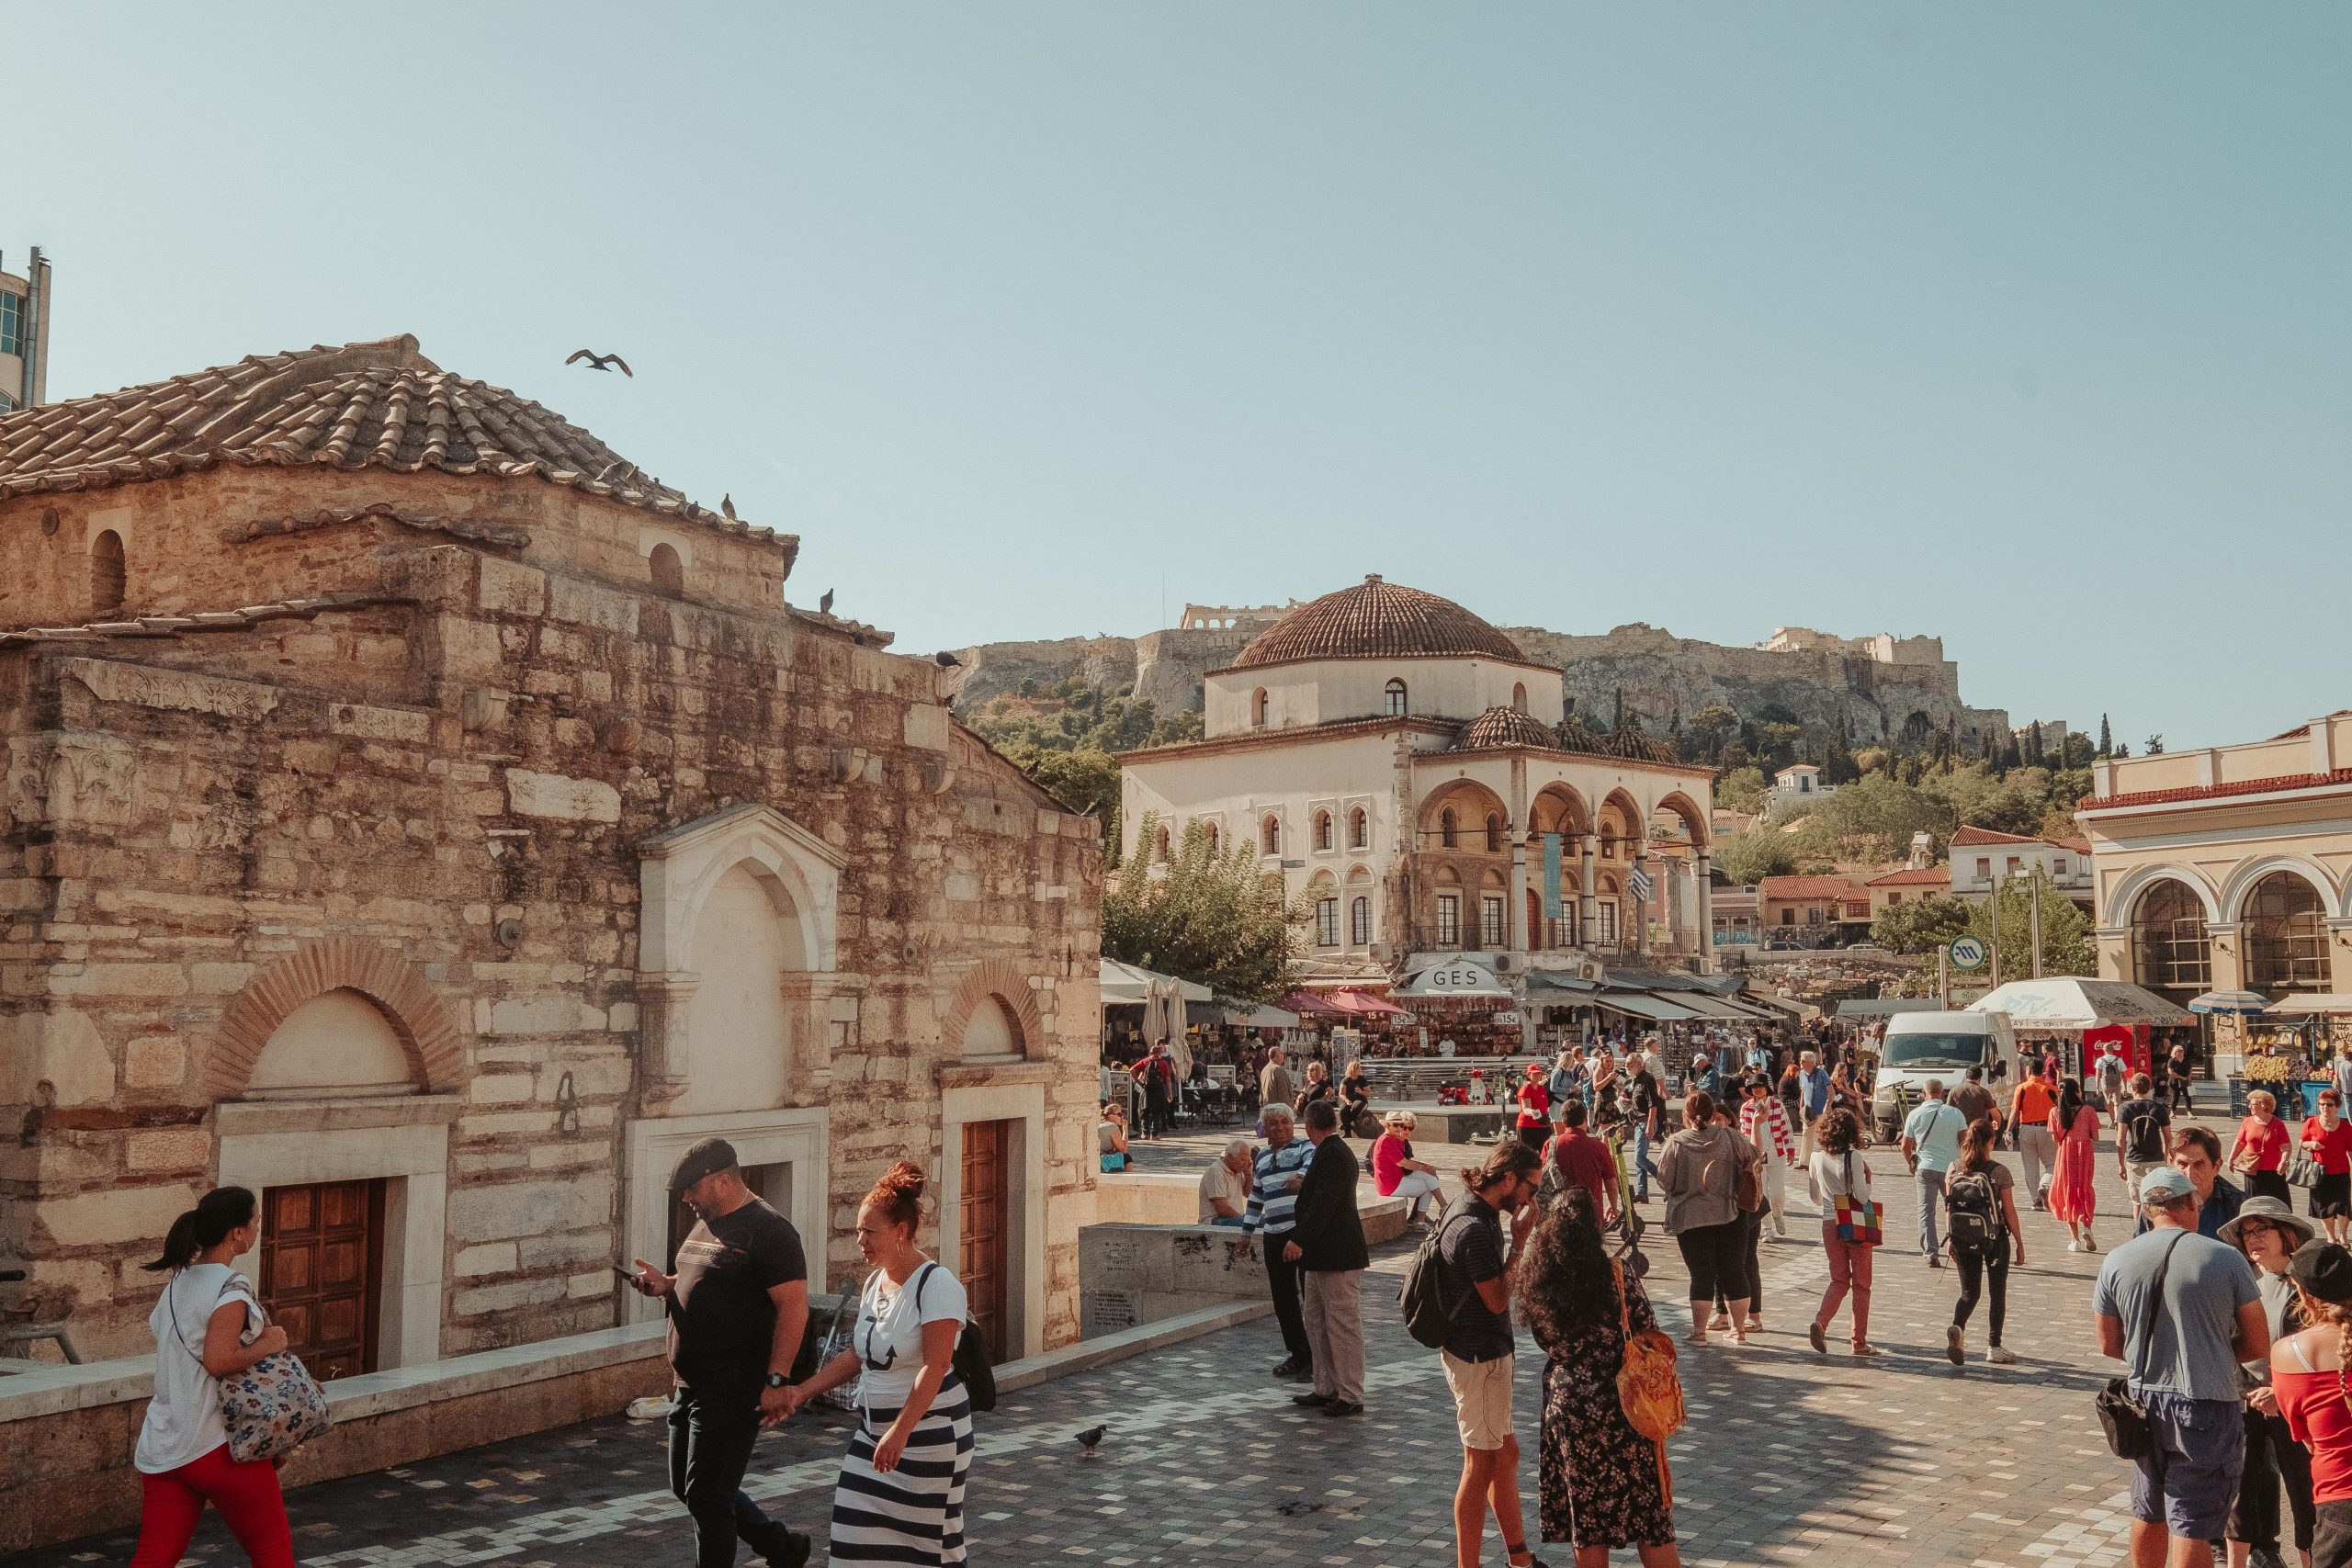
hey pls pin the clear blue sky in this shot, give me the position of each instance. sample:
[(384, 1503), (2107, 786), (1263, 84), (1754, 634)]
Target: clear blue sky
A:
[(2027, 325)]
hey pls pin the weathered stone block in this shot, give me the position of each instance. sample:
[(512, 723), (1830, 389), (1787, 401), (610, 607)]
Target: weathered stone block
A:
[(566, 799)]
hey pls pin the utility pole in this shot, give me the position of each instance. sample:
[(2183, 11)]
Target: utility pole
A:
[(1996, 908), (2037, 925)]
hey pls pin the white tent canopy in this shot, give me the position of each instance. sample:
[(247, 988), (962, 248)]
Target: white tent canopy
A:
[(1127, 984), (2069, 1001)]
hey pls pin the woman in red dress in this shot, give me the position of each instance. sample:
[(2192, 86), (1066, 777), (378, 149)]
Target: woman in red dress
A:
[(2074, 1196), (2327, 1138), (2260, 1152)]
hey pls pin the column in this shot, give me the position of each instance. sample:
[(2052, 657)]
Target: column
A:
[(2113, 946), (1703, 867), (1515, 916), (1588, 905)]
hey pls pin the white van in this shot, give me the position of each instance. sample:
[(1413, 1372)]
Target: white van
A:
[(1940, 1045)]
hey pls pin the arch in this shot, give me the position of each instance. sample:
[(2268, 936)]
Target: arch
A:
[(1519, 696), (2283, 919), (1258, 706), (1494, 833), (1468, 803), (1359, 922), (2247, 877), (1620, 822), (2170, 949), (1359, 828), (1001, 985), (1270, 835), (1324, 841), (668, 571), (1159, 843), (1558, 808), (1694, 821), (1359, 874), (319, 964), (109, 575), (1447, 830), (1398, 707), (742, 1040), (2143, 879)]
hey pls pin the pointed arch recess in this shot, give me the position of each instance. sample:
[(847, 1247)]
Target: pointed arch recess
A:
[(334, 964)]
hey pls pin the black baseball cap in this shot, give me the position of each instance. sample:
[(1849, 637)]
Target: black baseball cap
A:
[(706, 1158), (2323, 1269)]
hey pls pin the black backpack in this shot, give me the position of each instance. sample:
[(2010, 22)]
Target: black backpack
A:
[(2143, 1132), (1973, 1211), (972, 1363), (1422, 1296)]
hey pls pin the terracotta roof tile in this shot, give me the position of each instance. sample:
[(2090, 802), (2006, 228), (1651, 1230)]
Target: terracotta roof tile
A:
[(1376, 620), (1968, 836), (1915, 876), (2217, 792), (361, 405), (1497, 728), (1798, 889)]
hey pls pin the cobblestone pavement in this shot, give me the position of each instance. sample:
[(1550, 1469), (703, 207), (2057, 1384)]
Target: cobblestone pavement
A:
[(1790, 1456)]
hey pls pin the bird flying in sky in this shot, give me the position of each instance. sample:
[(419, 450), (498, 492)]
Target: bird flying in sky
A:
[(602, 362)]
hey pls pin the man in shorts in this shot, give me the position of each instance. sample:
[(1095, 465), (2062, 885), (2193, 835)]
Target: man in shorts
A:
[(2181, 1311), (1478, 1350)]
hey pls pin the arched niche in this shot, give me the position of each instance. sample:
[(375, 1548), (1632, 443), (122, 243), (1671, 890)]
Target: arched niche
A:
[(393, 991), (739, 1033), (334, 1046), (993, 1012)]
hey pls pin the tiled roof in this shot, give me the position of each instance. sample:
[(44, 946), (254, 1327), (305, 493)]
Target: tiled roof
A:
[(2219, 790), (2074, 842), (1376, 620), (1966, 837), (362, 405), (1499, 728), (207, 621), (1800, 889), (2303, 731), (1915, 876)]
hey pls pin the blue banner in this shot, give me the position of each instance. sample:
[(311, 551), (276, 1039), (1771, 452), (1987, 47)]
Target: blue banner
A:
[(1551, 877)]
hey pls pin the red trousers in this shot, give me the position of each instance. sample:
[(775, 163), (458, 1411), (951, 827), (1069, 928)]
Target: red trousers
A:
[(246, 1494)]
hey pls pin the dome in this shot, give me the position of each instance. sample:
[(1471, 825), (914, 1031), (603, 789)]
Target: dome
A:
[(1376, 620), (1498, 727)]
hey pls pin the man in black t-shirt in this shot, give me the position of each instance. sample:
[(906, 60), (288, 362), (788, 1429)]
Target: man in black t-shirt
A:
[(2142, 1132), (1477, 1353), (738, 1305), (1648, 1103)]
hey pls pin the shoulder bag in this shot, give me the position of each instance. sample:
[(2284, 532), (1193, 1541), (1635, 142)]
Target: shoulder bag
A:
[(2122, 1414), (273, 1406), (1859, 1220), (1649, 1390), (972, 1363)]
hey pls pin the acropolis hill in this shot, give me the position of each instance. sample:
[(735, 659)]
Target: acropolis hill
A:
[(1883, 686)]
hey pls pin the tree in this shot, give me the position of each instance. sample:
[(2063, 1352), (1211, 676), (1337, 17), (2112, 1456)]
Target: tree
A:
[(2106, 738), (1710, 729), (1921, 925), (1873, 820), (2066, 929), (2155, 746), (1208, 915), (1084, 781), (1742, 789), (1749, 858)]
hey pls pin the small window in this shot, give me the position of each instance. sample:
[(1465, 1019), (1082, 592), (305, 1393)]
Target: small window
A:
[(1326, 923), (1209, 835), (1788, 917), (1445, 827), (2015, 866), (1360, 923), (2058, 865), (669, 572), (1490, 921), (1894, 898), (1983, 868), (1258, 707), (1270, 835), (1605, 912), (1494, 835), (12, 322), (1449, 920), (1519, 696), (1323, 833), (107, 573), (1359, 828), (1160, 845), (1397, 699)]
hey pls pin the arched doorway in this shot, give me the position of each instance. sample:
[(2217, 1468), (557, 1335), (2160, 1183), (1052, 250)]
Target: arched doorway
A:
[(2285, 935)]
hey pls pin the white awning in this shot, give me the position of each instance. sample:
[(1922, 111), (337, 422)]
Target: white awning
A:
[(2316, 1001), (1458, 978), (1641, 1004)]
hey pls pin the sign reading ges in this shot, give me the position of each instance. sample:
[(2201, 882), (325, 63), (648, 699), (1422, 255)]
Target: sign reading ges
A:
[(1458, 978), (1967, 952)]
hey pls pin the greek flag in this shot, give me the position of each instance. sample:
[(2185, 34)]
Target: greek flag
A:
[(1641, 884)]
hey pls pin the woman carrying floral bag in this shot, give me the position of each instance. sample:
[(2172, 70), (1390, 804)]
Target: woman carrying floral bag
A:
[(200, 1324)]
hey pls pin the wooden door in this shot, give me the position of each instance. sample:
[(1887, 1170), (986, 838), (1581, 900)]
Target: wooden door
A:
[(322, 1264), (987, 1225)]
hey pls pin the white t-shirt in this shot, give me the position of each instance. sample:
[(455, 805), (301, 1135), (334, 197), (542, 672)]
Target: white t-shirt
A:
[(889, 1337), (1828, 1175), (184, 1421)]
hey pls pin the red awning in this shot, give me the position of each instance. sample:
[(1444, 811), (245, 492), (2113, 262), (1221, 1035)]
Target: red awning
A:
[(1344, 1002), (1365, 1002), (1312, 1002)]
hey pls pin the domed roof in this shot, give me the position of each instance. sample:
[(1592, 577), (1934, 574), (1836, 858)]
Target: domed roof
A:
[(1505, 727), (1376, 620)]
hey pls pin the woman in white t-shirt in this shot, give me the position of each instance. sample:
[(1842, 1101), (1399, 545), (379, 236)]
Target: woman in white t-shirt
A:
[(1838, 1171), (900, 1498), (201, 1323)]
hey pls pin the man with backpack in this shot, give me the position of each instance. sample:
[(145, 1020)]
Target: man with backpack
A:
[(1464, 1293), (2142, 1132)]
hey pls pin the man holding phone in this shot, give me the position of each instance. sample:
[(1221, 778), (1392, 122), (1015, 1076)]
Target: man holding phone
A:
[(738, 1307)]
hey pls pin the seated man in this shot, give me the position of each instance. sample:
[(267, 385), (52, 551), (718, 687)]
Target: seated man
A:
[(1224, 1186)]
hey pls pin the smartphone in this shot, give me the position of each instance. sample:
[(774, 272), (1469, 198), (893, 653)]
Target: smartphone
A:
[(631, 1275)]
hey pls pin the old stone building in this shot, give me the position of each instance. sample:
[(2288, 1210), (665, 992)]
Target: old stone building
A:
[(420, 815)]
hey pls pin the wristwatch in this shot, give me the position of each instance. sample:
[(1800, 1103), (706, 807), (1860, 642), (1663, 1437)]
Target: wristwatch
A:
[(776, 1380)]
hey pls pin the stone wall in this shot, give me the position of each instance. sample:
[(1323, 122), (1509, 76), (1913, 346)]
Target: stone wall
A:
[(454, 778)]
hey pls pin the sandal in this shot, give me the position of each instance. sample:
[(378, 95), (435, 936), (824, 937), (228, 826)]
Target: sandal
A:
[(1694, 1339), (1862, 1349)]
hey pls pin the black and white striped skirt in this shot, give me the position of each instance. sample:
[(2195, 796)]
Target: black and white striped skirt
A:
[(915, 1514)]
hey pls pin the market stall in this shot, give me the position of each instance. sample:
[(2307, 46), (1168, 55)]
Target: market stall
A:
[(2077, 1018), (1464, 1002)]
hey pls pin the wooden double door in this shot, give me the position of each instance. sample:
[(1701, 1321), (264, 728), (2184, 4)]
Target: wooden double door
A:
[(321, 1272), (984, 1262)]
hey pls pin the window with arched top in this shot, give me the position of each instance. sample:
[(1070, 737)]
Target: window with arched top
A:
[(1360, 923), (1160, 845), (669, 572), (1397, 699), (1446, 834), (1323, 833), (1359, 828), (1258, 706), (108, 573), (1519, 696), (1494, 835), (1270, 835)]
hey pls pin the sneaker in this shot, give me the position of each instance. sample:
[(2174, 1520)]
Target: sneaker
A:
[(1953, 1345), (1863, 1347), (2090, 1242), (794, 1553), (2263, 1557), (2001, 1357), (2074, 1247)]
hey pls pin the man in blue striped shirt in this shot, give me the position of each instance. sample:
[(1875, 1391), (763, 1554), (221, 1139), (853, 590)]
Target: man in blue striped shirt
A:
[(1279, 1170)]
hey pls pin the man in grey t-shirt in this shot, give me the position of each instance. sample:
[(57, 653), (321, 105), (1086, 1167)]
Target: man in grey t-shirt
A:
[(2183, 1358)]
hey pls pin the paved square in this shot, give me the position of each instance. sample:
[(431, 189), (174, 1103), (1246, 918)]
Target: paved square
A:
[(1790, 1456)]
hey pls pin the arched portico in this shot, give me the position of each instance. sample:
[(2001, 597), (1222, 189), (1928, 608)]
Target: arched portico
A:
[(1694, 821), (2245, 877), (2136, 884)]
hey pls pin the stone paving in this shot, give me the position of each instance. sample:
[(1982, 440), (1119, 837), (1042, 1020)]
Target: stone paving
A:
[(1790, 1456)]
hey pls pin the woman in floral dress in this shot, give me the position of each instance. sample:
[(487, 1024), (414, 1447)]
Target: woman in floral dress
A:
[(1602, 1484)]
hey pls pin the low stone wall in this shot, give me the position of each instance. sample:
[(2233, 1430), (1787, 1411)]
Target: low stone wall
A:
[(1131, 1276), (1435, 1123)]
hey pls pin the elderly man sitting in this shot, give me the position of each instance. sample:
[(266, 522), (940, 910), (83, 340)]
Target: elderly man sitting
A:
[(1224, 1187)]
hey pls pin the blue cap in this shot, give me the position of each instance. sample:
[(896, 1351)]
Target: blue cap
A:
[(2165, 1185)]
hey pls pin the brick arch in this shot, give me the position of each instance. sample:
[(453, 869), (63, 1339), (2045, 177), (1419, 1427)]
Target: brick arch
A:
[(334, 964), (1005, 982)]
